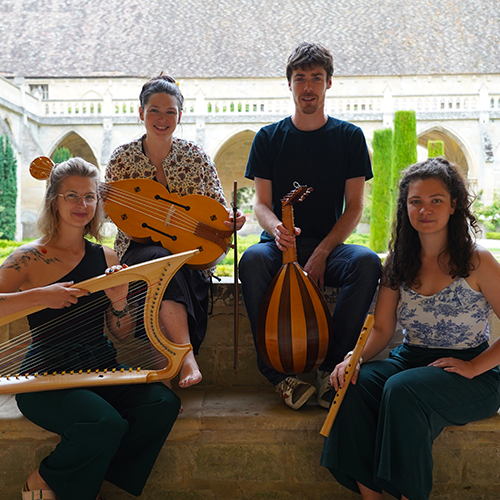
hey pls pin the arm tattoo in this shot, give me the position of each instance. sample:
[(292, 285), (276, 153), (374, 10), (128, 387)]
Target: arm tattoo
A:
[(28, 253)]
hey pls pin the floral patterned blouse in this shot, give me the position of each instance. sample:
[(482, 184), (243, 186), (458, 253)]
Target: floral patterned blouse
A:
[(454, 318), (188, 170)]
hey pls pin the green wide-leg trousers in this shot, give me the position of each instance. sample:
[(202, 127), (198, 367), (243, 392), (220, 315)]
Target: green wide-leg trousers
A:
[(112, 433), (383, 434)]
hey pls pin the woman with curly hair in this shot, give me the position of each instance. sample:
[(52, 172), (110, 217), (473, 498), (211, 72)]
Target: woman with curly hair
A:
[(439, 286)]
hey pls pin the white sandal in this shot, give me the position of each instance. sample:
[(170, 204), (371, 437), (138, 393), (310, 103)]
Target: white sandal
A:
[(37, 494)]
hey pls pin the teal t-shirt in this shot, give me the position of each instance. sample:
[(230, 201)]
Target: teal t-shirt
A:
[(322, 159)]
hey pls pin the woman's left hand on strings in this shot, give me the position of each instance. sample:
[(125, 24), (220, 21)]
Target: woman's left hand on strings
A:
[(240, 219), (117, 294), (454, 365)]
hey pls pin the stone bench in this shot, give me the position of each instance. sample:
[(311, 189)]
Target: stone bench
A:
[(246, 444), (237, 440)]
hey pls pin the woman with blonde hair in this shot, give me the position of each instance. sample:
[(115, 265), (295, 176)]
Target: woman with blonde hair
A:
[(113, 433)]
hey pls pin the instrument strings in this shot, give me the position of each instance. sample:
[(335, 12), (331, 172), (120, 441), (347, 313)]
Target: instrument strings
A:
[(134, 351), (152, 209), (155, 210)]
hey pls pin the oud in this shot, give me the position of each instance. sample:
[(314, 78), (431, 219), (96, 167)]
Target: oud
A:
[(295, 324)]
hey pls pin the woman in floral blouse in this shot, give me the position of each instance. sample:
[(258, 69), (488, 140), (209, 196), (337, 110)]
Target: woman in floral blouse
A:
[(439, 286), (183, 168)]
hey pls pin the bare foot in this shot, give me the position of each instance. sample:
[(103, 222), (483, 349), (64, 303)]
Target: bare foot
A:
[(190, 372)]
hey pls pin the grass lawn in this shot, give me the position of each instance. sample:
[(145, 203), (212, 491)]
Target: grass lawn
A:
[(7, 246)]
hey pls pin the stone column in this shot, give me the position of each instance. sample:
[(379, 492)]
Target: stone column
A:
[(486, 157), (107, 137), (200, 110), (388, 108)]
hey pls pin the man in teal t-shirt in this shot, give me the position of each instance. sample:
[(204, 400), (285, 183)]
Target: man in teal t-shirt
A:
[(330, 156)]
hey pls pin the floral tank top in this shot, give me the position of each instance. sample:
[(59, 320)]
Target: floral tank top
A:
[(454, 318)]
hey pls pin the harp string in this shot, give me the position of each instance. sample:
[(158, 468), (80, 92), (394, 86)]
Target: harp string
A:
[(106, 359), (13, 352), (68, 319), (36, 337)]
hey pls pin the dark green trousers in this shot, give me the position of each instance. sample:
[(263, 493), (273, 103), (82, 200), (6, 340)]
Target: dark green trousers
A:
[(383, 434), (112, 433)]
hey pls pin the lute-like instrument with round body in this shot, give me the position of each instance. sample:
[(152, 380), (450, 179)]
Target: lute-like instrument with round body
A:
[(295, 324)]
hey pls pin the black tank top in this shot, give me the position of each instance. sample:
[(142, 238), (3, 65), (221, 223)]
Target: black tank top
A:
[(73, 338)]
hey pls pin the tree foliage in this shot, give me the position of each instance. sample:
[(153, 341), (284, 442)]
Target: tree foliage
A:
[(435, 149), (393, 151), (489, 215), (405, 146), (380, 220), (61, 154), (245, 197), (8, 189)]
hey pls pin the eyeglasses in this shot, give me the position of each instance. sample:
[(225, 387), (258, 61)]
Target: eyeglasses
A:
[(74, 198)]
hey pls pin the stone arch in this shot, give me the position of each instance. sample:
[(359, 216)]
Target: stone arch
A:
[(92, 94), (454, 148), (77, 146), (231, 160), (6, 129)]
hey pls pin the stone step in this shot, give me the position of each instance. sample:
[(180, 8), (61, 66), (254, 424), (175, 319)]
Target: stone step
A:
[(248, 445)]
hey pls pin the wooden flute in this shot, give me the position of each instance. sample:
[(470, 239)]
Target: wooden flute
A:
[(351, 368)]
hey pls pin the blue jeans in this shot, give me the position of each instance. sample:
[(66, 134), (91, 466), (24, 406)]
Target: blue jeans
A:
[(353, 268)]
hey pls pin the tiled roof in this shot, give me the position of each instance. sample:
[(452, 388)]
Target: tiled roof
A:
[(245, 38)]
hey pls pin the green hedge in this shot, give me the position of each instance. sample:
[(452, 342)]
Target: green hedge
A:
[(435, 149), (226, 267), (61, 154), (380, 220), (404, 146), (8, 190)]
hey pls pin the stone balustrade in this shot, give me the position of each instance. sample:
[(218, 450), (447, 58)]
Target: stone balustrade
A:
[(275, 105)]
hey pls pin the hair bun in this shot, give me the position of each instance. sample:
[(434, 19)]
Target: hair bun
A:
[(164, 76)]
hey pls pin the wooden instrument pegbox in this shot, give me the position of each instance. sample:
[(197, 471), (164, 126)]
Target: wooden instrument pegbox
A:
[(298, 194), (41, 167)]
